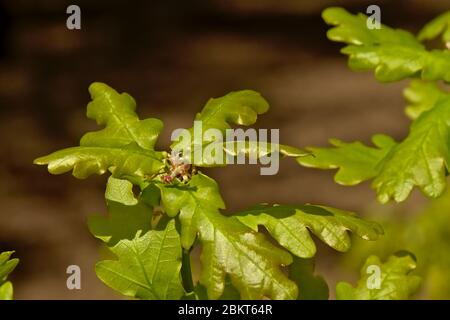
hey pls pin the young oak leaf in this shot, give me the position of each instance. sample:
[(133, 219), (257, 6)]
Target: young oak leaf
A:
[(422, 96), (438, 26), (392, 54), (259, 149), (291, 226), (392, 282), (422, 159), (238, 108), (120, 190), (425, 234), (128, 214), (124, 146), (122, 126), (221, 153), (229, 248), (148, 266), (121, 162), (7, 265), (355, 161)]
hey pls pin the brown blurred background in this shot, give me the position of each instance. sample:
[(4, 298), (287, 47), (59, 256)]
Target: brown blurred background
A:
[(172, 56)]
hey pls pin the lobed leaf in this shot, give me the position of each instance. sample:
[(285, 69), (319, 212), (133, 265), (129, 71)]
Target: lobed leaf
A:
[(355, 161), (239, 108), (438, 26), (393, 54), (230, 151), (128, 215), (422, 96), (395, 280), (124, 147), (232, 246), (229, 248), (148, 266), (420, 160), (426, 234), (291, 226), (120, 190), (122, 125), (86, 161), (235, 108)]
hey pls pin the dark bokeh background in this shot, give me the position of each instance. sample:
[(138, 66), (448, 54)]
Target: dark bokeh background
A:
[(172, 56)]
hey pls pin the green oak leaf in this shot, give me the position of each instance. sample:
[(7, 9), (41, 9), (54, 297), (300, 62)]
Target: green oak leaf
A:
[(249, 151), (238, 108), (393, 54), (148, 266), (395, 281), (426, 233), (261, 149), (128, 215), (123, 127), (291, 226), (310, 286), (355, 161), (438, 26), (120, 190), (422, 96), (121, 162), (124, 146), (421, 160), (229, 248), (7, 265)]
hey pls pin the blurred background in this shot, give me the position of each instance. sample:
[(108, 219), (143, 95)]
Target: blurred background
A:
[(172, 56)]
